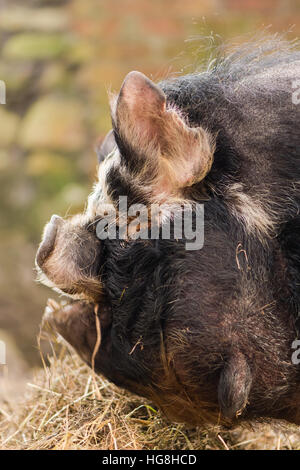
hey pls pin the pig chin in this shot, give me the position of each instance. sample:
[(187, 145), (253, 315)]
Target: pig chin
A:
[(68, 258)]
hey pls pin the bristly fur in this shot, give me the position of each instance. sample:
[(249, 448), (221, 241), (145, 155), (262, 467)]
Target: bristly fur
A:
[(244, 100), (207, 331)]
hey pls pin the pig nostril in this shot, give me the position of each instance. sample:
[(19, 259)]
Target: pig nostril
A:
[(47, 244)]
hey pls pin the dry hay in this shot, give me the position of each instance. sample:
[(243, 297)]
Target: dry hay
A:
[(66, 407)]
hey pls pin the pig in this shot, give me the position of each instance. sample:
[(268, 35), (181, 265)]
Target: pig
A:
[(205, 334)]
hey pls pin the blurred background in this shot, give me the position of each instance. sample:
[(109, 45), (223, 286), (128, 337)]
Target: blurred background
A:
[(58, 59)]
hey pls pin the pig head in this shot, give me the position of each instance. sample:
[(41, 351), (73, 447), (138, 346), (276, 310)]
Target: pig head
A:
[(206, 335)]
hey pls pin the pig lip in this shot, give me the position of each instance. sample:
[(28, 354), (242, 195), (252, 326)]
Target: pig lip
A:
[(48, 241)]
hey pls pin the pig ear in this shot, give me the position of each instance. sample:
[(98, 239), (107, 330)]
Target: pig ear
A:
[(234, 386), (106, 146), (139, 106), (140, 97), (157, 138)]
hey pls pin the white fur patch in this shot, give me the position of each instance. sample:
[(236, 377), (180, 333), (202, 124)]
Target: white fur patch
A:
[(250, 211), (99, 194)]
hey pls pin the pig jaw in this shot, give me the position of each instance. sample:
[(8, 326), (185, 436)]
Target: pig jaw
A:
[(227, 397)]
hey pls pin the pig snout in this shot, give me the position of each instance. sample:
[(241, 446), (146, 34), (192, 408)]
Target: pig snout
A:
[(48, 241), (69, 257)]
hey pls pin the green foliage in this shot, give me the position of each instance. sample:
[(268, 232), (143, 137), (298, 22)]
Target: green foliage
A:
[(36, 46)]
